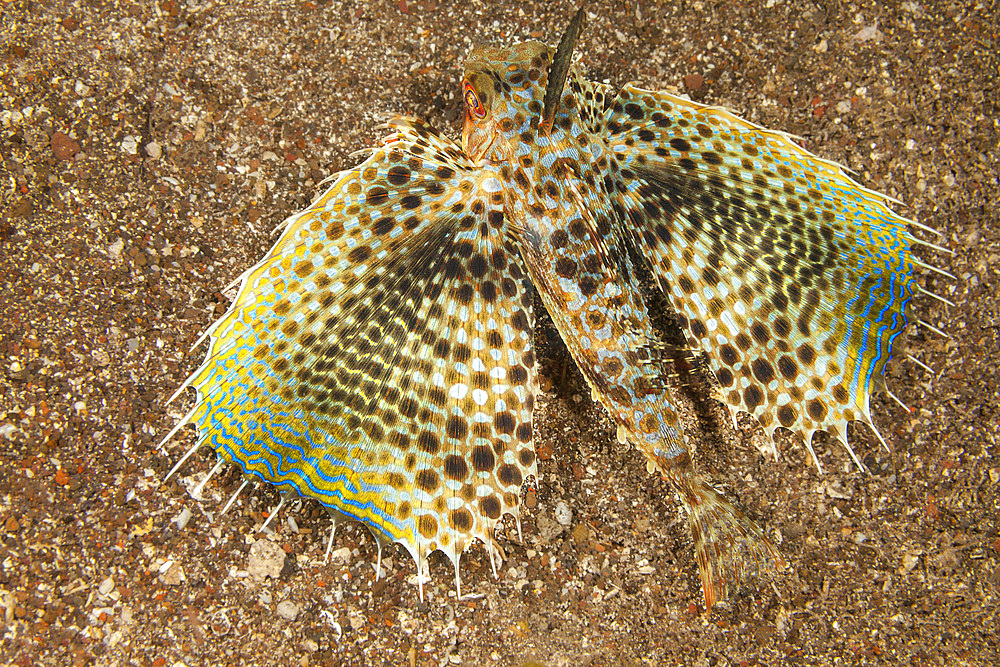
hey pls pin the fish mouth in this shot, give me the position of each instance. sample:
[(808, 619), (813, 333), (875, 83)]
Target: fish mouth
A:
[(478, 154)]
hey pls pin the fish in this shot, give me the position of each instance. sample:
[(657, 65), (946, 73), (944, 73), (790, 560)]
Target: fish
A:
[(379, 359)]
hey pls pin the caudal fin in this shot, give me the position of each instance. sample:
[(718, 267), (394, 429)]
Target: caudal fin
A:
[(729, 547)]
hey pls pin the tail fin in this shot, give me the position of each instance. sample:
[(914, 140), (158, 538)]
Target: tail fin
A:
[(729, 547)]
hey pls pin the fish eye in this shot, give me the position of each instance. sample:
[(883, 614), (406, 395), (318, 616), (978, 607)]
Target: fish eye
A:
[(472, 102)]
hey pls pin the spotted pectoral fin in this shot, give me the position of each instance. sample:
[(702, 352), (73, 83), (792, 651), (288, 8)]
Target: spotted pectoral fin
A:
[(791, 276), (379, 358)]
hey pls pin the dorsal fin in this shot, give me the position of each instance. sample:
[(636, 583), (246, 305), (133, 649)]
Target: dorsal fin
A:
[(560, 68)]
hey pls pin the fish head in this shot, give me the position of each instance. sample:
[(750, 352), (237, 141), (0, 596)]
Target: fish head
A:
[(502, 94)]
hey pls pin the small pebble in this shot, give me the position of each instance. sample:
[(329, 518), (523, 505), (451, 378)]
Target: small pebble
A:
[(115, 249), (564, 515), (267, 559), (693, 81), (910, 561), (182, 519), (869, 33), (341, 555), (63, 146), (130, 145), (172, 574), (288, 610)]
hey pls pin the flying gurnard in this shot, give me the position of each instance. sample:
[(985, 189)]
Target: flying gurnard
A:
[(379, 358)]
